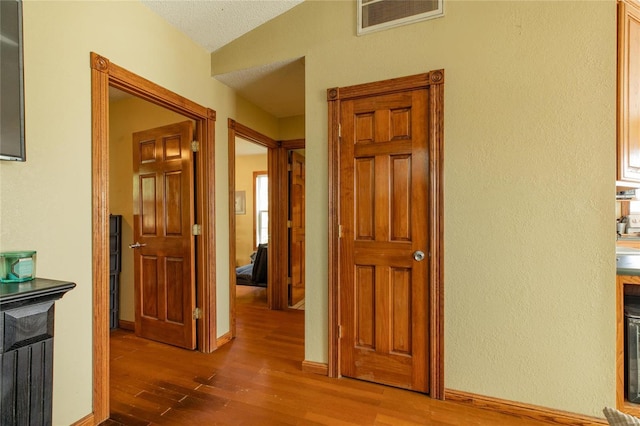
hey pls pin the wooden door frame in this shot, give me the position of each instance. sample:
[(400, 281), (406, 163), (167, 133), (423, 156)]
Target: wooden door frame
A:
[(279, 198), (434, 82), (274, 292), (283, 210), (104, 73)]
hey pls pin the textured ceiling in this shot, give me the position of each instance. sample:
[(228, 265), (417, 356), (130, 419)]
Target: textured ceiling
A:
[(214, 23), (277, 88)]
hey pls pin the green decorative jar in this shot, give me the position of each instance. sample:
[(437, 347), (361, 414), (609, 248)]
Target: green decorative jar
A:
[(17, 266)]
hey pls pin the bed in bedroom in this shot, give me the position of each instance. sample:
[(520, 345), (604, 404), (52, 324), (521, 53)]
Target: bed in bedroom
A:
[(255, 273)]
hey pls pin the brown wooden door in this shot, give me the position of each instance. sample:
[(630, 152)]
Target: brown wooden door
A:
[(296, 236), (163, 215), (384, 223)]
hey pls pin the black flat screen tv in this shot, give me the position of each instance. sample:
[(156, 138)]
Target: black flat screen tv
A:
[(12, 144)]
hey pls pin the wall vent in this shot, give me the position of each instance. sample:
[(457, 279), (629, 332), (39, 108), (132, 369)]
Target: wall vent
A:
[(375, 15)]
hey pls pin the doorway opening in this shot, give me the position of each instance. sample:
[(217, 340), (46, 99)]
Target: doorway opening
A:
[(153, 288), (105, 74), (252, 222), (251, 215), (249, 219)]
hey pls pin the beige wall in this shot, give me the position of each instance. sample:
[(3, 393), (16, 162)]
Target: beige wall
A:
[(529, 181), (245, 166), (529, 174), (291, 128), (51, 193), (253, 117), (126, 117)]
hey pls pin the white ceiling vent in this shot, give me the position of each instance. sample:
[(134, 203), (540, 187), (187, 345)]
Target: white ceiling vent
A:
[(375, 15)]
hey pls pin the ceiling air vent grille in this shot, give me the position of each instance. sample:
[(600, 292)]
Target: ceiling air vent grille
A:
[(374, 15)]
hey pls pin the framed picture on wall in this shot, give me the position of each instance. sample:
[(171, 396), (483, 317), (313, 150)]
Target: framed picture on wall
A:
[(241, 202)]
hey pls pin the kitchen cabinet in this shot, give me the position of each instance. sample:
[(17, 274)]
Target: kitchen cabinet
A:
[(628, 126), (628, 243), (625, 285)]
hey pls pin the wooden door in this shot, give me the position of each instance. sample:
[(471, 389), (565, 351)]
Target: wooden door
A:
[(163, 215), (383, 281), (296, 232)]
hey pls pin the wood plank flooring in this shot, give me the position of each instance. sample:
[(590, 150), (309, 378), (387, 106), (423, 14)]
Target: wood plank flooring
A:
[(257, 380)]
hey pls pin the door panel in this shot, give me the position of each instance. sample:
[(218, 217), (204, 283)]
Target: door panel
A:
[(401, 310), (148, 204), (150, 286), (163, 214), (173, 203), (383, 197), (175, 273), (400, 198), (365, 306), (365, 203)]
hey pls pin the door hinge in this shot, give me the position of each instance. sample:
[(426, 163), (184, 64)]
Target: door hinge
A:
[(289, 167), (196, 230), (195, 146), (340, 231), (289, 224), (339, 332), (289, 281), (339, 130), (197, 313)]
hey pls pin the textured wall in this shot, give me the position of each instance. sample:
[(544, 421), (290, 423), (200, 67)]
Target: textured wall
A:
[(529, 181), (51, 193), (291, 128), (529, 174)]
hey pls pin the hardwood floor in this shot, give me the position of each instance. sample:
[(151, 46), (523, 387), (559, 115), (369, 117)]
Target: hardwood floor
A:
[(257, 380)]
